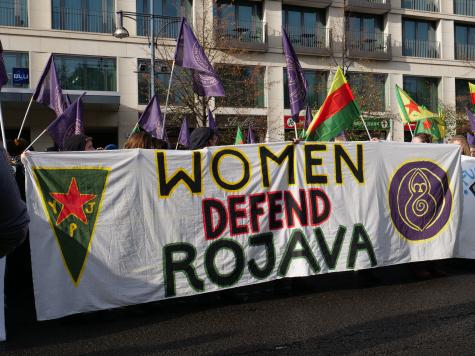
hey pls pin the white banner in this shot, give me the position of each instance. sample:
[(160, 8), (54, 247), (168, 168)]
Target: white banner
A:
[(114, 228), (466, 238)]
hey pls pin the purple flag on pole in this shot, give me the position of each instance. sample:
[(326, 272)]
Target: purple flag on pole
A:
[(69, 123), (471, 118), (3, 71), (211, 122), (470, 139), (48, 91), (251, 137), (184, 136), (308, 117), (190, 54), (151, 120), (297, 85)]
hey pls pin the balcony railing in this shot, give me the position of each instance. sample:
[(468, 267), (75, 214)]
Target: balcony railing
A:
[(464, 52), (309, 37), (418, 48), (245, 34), (464, 7), (370, 45), (13, 15), (371, 6), (83, 20), (163, 26), (421, 5)]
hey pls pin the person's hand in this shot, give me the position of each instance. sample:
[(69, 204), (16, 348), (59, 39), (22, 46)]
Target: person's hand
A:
[(375, 139), (296, 141)]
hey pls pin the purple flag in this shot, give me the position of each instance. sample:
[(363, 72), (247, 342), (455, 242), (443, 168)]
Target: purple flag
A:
[(3, 71), (211, 122), (297, 84), (69, 123), (184, 136), (470, 139), (190, 54), (251, 137), (151, 120), (48, 91), (471, 118), (308, 118)]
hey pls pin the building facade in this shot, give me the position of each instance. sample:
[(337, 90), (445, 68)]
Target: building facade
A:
[(426, 47)]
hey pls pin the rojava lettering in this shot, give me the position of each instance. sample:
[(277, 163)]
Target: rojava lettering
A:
[(313, 157), (181, 258)]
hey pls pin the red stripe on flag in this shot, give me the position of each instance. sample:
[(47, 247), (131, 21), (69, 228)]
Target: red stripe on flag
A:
[(335, 102), (472, 96)]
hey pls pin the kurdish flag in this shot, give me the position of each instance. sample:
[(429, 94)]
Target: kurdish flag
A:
[(471, 88), (429, 126), (409, 110), (239, 140), (337, 113)]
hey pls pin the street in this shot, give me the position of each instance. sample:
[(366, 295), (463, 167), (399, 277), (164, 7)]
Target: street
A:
[(387, 311)]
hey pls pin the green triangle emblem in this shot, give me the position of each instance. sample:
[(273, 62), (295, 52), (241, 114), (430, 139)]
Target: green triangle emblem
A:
[(72, 199)]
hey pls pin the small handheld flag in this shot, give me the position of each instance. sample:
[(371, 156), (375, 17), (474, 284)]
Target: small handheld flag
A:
[(409, 110), (239, 140)]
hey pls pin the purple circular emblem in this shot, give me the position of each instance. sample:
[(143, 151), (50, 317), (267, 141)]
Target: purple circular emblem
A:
[(420, 200)]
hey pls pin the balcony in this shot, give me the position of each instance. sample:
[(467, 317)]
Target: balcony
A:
[(375, 46), (418, 48), (368, 6), (421, 5), (464, 52), (464, 7), (311, 40), (250, 35), (14, 14), (83, 20), (163, 26)]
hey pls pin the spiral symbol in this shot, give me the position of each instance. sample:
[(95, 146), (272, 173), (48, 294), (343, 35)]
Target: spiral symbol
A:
[(420, 207)]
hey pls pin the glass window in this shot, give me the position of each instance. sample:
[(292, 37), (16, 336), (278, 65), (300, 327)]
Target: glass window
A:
[(165, 26), (462, 94), (86, 73), (464, 42), (162, 78), (464, 7), (14, 13), (304, 26), (84, 15), (419, 38), (317, 88), (423, 90), (369, 90), (244, 86), (19, 61)]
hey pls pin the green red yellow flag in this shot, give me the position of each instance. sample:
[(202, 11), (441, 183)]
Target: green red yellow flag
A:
[(471, 88), (239, 140), (337, 113), (409, 110), (429, 126)]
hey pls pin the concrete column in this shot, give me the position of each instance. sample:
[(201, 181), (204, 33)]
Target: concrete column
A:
[(275, 103), (273, 19), (395, 29), (446, 7), (39, 14), (336, 22), (447, 92), (126, 5), (398, 127), (446, 39), (127, 115)]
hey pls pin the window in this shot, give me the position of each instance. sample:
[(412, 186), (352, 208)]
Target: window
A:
[(317, 88), (419, 38), (240, 20), (14, 13), (423, 90), (464, 42), (422, 5), (19, 61), (84, 15), (86, 73), (464, 7), (170, 11), (369, 90), (462, 94), (365, 32), (244, 86), (162, 78), (305, 26)]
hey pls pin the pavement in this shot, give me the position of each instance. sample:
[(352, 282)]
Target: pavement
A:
[(383, 311)]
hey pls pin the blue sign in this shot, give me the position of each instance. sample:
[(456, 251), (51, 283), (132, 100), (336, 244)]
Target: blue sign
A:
[(21, 76)]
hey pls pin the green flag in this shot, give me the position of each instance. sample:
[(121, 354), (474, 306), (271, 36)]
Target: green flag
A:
[(239, 137), (428, 126)]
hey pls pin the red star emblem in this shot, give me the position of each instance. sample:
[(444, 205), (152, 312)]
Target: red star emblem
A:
[(427, 124), (412, 106), (72, 203)]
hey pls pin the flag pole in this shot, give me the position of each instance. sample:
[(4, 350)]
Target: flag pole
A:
[(168, 94), (4, 139), (295, 127), (36, 139), (134, 128), (24, 118), (366, 127)]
